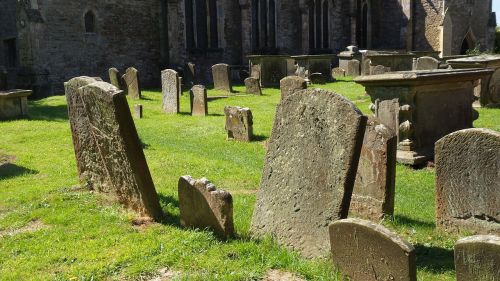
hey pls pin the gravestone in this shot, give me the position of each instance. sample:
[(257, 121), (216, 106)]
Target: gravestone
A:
[(199, 103), (131, 83), (203, 206), (309, 170), (317, 78), (252, 86), (378, 69), (191, 77), (354, 67), (170, 87), (477, 258), (115, 78), (239, 123), (374, 189), (138, 111), (108, 150), (338, 72), (426, 63), (290, 85), (468, 181), (3, 79), (14, 104), (362, 250), (222, 77)]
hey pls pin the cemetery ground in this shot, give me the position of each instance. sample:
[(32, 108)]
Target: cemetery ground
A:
[(50, 229)]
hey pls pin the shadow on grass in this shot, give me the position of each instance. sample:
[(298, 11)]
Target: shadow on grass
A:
[(47, 112), (409, 222), (169, 218), (9, 170), (434, 259), (214, 98), (259, 138)]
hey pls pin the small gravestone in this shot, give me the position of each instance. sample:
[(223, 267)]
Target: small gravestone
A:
[(115, 78), (309, 170), (338, 72), (222, 77), (354, 67), (170, 87), (191, 78), (252, 86), (379, 69), (199, 103), (131, 83), (108, 150), (373, 195), (138, 111), (3, 79), (239, 123), (317, 78), (203, 206), (362, 250), (477, 258), (291, 84), (468, 181), (426, 63)]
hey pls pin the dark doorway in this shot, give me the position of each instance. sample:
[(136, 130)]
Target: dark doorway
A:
[(10, 52)]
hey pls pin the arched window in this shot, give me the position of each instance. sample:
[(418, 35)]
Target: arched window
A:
[(263, 24), (319, 30), (90, 22), (201, 24), (362, 24)]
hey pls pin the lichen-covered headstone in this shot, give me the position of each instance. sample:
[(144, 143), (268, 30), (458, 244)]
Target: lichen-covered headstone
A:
[(338, 72), (203, 206), (222, 77), (108, 150), (131, 83), (309, 170), (199, 102), (468, 181), (239, 123), (426, 63), (291, 84), (115, 78), (3, 79), (477, 258), (363, 250), (252, 86), (317, 78), (374, 189), (138, 111), (170, 86)]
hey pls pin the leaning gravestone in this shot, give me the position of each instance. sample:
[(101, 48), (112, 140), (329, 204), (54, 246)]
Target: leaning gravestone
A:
[(3, 79), (239, 123), (426, 63), (108, 150), (477, 258), (170, 89), (363, 250), (468, 181), (291, 84), (132, 84), (373, 195), (199, 102), (222, 77), (114, 77), (203, 206), (252, 86), (309, 170)]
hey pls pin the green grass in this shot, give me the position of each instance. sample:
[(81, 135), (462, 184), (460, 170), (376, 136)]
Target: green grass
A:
[(86, 237)]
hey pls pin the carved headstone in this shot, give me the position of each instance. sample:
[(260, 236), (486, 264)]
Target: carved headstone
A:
[(426, 63), (338, 72), (170, 87), (388, 113), (131, 83), (115, 78), (477, 258), (309, 170), (290, 85), (108, 150), (138, 111), (199, 102), (3, 79), (222, 77), (468, 181), (239, 123), (373, 195), (317, 78), (363, 250), (354, 67), (203, 206), (252, 86)]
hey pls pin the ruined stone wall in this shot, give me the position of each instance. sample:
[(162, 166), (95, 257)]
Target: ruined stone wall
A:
[(427, 21), (7, 28), (288, 27), (390, 21)]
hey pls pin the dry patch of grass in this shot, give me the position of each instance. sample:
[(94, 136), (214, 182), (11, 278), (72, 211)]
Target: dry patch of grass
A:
[(32, 226)]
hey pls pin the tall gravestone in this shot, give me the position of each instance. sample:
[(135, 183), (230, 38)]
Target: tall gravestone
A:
[(170, 89), (3, 79), (477, 258), (131, 83), (108, 150), (468, 181), (191, 74), (239, 123), (252, 86), (291, 84), (115, 78), (363, 250), (374, 189), (309, 170), (199, 102), (222, 77)]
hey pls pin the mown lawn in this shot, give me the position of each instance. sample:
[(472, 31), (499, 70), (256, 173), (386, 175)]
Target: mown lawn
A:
[(52, 230)]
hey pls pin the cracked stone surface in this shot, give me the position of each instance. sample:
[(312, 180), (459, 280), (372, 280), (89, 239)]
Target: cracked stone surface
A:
[(478, 258)]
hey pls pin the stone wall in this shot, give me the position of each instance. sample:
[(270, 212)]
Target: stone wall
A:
[(7, 31)]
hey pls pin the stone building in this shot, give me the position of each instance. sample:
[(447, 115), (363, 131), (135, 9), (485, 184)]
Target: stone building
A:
[(46, 42)]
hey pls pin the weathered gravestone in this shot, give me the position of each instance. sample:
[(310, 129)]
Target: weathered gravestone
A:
[(338, 72), (131, 83), (252, 86), (363, 250), (222, 77), (170, 87), (199, 102), (107, 148), (374, 189), (291, 84), (191, 78), (317, 78), (138, 111), (3, 79), (115, 78), (354, 68), (239, 123), (309, 170), (477, 258), (379, 69), (203, 206), (425, 63), (468, 181)]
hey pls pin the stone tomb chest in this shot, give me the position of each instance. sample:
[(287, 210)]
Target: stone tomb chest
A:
[(272, 68), (14, 103), (423, 106)]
